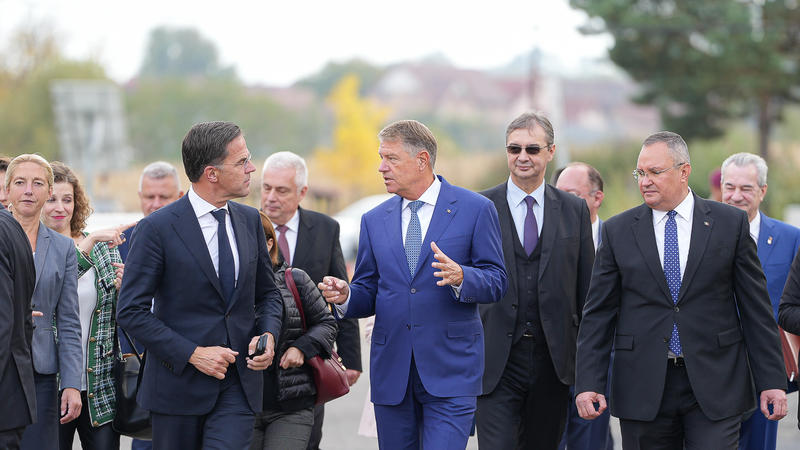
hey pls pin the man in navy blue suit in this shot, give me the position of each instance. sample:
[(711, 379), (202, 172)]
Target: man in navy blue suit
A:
[(426, 258), (203, 262), (744, 185)]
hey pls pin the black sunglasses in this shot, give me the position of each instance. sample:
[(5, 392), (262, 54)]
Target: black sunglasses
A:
[(531, 149)]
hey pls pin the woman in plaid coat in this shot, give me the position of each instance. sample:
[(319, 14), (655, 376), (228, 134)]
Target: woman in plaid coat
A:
[(99, 277)]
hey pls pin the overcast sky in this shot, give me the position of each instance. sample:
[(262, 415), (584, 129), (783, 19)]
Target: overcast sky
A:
[(276, 42)]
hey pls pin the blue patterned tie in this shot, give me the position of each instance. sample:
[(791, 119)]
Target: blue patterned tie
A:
[(672, 270), (413, 236), (227, 280)]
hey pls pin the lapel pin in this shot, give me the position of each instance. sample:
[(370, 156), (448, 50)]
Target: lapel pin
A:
[(706, 223), (448, 211), (769, 240)]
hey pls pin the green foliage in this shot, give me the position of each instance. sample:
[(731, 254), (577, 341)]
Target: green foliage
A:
[(181, 52), (323, 82), (705, 62)]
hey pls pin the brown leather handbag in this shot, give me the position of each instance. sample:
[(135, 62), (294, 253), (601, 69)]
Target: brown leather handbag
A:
[(329, 373)]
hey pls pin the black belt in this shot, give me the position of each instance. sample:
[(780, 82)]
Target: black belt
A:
[(676, 361)]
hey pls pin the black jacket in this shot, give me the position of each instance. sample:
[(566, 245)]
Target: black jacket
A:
[(293, 389)]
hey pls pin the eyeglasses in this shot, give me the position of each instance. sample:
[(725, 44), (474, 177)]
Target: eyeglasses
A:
[(241, 163), (639, 173), (531, 149)]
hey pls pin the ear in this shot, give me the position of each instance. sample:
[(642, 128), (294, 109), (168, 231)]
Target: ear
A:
[(210, 173), (303, 193), (423, 160)]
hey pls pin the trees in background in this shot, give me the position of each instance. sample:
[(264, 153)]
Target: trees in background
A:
[(706, 62)]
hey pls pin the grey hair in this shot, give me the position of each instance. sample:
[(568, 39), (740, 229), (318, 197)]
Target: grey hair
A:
[(675, 143), (527, 121), (289, 160), (158, 171), (747, 159), (413, 135)]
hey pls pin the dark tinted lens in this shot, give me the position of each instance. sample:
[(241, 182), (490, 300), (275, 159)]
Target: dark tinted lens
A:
[(532, 149), (514, 149)]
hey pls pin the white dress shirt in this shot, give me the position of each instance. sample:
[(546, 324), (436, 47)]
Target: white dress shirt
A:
[(293, 226), (755, 227), (519, 209), (208, 225), (683, 220), (596, 232)]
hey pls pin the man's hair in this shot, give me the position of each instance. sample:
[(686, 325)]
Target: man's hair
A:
[(528, 121), (413, 135), (675, 143), (289, 160), (29, 157), (595, 180), (4, 160), (744, 160), (206, 144), (82, 210), (158, 171)]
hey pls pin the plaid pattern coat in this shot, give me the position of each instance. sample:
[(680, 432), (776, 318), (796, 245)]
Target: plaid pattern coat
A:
[(102, 348)]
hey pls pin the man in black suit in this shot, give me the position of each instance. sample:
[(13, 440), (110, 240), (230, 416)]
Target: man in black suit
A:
[(308, 240), (17, 279), (530, 335), (678, 288)]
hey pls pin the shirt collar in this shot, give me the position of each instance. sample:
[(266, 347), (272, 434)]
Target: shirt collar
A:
[(292, 224), (517, 195), (684, 209), (755, 226), (200, 206), (430, 195)]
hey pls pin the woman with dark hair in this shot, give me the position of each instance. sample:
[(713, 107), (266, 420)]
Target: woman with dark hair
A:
[(56, 345), (99, 276), (289, 390)]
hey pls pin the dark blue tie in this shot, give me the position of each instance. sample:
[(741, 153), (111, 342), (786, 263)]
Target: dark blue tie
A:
[(531, 228), (413, 236), (227, 279), (672, 270)]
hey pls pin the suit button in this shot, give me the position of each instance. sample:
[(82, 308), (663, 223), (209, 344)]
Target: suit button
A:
[(509, 334), (90, 370), (413, 290), (92, 339), (514, 306), (90, 395), (408, 326), (97, 311), (677, 309), (227, 315), (95, 424), (666, 339)]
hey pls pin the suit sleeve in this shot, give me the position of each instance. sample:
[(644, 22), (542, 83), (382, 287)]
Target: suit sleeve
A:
[(143, 273), (789, 310), (485, 276), (598, 323), (348, 339), (68, 324), (268, 302), (585, 260), (756, 316), (7, 308), (321, 326), (364, 287)]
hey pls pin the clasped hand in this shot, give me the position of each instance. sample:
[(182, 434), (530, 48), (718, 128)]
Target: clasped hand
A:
[(214, 361)]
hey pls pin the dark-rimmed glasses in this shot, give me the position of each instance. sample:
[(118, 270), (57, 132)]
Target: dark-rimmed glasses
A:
[(530, 149)]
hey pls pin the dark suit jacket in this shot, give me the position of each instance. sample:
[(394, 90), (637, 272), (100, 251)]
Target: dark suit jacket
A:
[(412, 313), (169, 262), (565, 268), (319, 254), (17, 279), (723, 314)]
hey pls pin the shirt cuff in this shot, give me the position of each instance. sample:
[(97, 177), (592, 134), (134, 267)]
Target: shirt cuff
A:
[(341, 310)]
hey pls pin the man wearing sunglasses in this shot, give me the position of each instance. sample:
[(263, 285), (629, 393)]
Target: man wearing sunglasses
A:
[(531, 333), (678, 290)]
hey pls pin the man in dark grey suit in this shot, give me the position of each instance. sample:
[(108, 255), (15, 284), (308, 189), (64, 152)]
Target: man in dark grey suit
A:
[(677, 329), (308, 240), (531, 333), (17, 279)]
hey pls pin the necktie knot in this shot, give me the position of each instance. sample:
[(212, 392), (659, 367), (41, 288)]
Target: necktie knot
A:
[(219, 215), (415, 205), (530, 201), (281, 228), (283, 243), (672, 214)]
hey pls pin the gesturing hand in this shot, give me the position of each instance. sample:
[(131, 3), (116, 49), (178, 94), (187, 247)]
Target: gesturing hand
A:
[(334, 290), (449, 271), (585, 403), (213, 361), (264, 360)]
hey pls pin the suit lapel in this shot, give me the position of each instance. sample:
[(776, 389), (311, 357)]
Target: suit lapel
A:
[(766, 239), (304, 244), (188, 230), (443, 214), (507, 231), (552, 219), (701, 231), (42, 246), (645, 238), (393, 225)]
